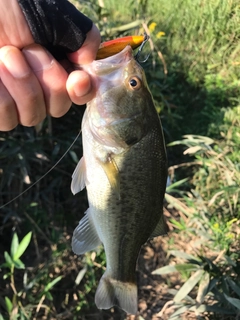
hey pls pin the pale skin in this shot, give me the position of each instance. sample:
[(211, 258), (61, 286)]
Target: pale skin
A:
[(32, 83)]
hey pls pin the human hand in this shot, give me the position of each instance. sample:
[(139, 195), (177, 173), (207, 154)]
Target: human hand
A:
[(33, 82)]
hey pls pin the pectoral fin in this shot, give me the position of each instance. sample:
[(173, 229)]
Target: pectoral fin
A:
[(79, 177), (111, 170), (161, 228)]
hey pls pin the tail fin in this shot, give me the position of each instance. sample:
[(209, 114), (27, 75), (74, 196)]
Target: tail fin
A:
[(111, 292)]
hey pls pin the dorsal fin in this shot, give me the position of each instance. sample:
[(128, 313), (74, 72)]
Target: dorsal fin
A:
[(161, 228)]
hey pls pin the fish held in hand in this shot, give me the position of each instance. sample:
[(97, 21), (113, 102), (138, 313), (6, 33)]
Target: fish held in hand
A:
[(124, 168)]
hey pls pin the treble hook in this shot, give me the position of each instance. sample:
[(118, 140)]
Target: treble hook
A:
[(145, 40)]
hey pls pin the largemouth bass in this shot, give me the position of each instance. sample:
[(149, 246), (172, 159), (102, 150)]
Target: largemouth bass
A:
[(124, 168)]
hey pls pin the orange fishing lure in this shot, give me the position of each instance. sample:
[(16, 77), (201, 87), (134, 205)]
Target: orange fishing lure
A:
[(109, 48)]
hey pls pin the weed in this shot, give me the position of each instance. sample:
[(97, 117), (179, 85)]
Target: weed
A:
[(218, 292), (14, 306)]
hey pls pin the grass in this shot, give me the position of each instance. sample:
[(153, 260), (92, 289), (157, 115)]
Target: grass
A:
[(197, 42), (201, 48)]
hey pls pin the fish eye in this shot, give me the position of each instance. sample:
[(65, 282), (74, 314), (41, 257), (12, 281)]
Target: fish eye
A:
[(135, 83)]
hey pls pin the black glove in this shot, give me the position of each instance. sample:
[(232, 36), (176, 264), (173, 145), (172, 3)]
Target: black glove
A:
[(56, 24)]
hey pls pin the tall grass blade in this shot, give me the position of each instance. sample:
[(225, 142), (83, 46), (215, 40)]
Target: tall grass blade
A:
[(203, 288), (14, 244), (234, 286), (184, 255), (188, 286), (235, 302), (187, 267), (52, 283), (179, 312)]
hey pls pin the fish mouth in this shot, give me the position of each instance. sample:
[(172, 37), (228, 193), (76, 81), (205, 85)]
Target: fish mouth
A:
[(110, 64)]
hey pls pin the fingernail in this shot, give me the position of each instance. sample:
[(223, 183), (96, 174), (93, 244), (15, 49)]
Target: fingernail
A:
[(14, 62), (38, 58)]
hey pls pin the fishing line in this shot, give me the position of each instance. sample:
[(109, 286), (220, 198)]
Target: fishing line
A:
[(18, 196)]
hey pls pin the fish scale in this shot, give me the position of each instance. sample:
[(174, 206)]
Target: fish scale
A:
[(125, 181)]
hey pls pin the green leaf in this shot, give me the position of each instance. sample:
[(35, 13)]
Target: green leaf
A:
[(4, 265), (1, 317), (180, 225), (165, 270), (234, 286), (235, 302), (203, 288), (8, 259), (184, 255), (185, 267), (22, 246), (218, 295), (19, 264), (212, 284), (188, 286), (48, 296), (52, 283), (230, 261), (6, 275), (172, 291), (215, 308), (176, 184), (9, 305), (187, 298), (14, 244), (225, 286)]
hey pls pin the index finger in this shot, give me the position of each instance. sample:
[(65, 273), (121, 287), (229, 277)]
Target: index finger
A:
[(87, 53)]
